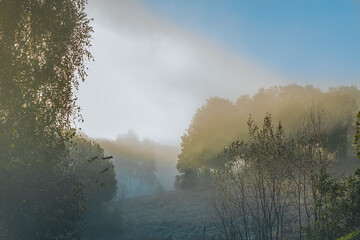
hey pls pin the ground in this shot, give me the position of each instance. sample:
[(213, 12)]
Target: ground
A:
[(169, 215)]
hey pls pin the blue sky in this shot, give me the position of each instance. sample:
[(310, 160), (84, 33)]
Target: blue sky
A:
[(318, 40), (157, 61)]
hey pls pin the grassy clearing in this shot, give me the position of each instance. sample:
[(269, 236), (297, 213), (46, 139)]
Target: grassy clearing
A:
[(170, 215)]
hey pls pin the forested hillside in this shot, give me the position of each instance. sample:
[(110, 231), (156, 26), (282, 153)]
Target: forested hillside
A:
[(219, 122)]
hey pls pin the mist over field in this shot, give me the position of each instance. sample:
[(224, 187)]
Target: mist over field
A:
[(142, 167), (169, 120)]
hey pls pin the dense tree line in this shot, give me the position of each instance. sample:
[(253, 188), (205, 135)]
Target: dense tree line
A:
[(44, 192), (220, 122)]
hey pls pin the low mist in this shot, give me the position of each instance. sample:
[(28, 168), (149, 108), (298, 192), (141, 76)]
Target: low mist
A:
[(142, 167)]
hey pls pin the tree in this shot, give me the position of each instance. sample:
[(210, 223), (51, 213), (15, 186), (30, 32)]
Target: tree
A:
[(43, 49), (357, 135), (95, 171), (351, 236), (268, 187), (211, 129), (97, 175), (256, 186), (340, 206)]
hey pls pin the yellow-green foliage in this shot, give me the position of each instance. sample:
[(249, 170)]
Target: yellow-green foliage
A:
[(219, 121), (352, 236)]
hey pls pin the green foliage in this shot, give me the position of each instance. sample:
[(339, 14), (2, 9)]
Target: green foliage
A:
[(43, 46), (187, 181), (351, 236), (357, 135), (338, 206)]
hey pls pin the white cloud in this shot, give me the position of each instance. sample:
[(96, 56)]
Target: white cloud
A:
[(151, 77)]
